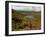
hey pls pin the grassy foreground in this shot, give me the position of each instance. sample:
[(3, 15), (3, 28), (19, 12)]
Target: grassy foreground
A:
[(20, 22)]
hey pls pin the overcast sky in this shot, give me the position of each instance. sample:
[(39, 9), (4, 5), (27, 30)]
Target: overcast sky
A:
[(26, 8)]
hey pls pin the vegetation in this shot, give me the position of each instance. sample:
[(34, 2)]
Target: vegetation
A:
[(21, 22)]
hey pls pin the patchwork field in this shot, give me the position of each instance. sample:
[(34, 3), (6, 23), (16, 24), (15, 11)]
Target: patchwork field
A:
[(26, 20)]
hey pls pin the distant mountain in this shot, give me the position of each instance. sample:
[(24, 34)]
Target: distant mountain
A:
[(20, 11)]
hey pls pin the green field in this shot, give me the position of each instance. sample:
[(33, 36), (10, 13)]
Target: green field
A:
[(26, 20)]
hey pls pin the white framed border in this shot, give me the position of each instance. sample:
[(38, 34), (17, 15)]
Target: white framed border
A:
[(24, 32)]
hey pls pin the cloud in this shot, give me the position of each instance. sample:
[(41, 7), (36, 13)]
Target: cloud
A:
[(26, 8)]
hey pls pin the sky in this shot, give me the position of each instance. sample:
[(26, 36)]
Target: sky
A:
[(26, 8)]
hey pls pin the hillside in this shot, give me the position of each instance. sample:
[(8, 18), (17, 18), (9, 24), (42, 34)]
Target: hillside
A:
[(26, 20)]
